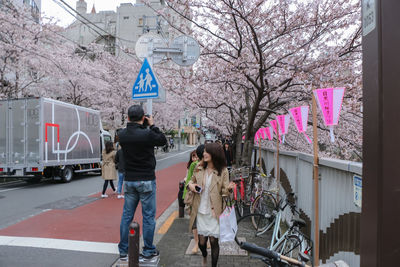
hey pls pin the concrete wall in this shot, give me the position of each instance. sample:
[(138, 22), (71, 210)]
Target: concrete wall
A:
[(339, 216)]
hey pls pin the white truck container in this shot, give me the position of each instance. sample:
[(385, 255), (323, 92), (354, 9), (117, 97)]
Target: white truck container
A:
[(45, 137)]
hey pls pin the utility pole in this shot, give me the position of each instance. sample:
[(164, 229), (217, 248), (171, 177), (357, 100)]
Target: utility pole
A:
[(380, 216)]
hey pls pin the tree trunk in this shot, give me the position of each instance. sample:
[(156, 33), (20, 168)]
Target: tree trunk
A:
[(238, 149), (247, 152)]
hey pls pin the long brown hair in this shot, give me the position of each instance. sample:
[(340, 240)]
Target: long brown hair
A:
[(217, 156), (109, 146)]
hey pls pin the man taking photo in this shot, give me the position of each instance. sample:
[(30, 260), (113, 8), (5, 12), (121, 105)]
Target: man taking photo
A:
[(137, 142)]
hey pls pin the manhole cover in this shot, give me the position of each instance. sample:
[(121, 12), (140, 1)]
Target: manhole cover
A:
[(68, 203)]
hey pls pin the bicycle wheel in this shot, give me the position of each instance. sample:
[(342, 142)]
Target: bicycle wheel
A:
[(290, 247), (263, 204), (246, 231)]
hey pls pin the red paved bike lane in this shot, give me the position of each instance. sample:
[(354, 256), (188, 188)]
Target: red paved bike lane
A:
[(98, 221)]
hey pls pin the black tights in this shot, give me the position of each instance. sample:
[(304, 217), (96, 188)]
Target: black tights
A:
[(106, 184), (214, 248)]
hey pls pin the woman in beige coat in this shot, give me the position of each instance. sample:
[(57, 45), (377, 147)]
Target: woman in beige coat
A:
[(210, 182), (108, 171)]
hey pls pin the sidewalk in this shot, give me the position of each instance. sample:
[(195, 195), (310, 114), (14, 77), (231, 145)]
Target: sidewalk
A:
[(175, 242)]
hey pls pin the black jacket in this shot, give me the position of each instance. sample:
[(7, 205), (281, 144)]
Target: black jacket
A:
[(137, 144), (119, 161)]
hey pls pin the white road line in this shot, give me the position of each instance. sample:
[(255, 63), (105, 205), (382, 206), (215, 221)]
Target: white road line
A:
[(12, 189), (174, 155), (62, 244)]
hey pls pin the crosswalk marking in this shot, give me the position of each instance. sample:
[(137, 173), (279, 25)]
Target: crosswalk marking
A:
[(63, 244)]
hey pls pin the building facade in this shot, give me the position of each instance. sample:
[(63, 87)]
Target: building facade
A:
[(117, 30)]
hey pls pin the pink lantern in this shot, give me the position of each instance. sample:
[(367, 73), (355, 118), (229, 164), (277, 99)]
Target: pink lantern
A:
[(330, 102), (300, 118), (283, 121)]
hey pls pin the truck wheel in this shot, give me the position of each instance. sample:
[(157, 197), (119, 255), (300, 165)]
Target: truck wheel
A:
[(67, 174)]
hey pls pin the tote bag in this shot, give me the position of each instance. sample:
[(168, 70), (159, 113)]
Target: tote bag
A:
[(227, 225)]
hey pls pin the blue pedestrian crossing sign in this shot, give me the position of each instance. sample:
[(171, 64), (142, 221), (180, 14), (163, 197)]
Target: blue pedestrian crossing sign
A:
[(146, 84)]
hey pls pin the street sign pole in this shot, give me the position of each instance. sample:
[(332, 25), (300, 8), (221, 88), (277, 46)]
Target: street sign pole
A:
[(150, 100)]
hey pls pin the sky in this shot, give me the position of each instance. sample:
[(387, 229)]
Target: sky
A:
[(51, 9)]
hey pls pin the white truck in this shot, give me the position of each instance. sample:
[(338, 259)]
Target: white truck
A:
[(44, 137)]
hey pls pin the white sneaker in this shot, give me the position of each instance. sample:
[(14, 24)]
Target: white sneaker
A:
[(103, 196), (120, 196)]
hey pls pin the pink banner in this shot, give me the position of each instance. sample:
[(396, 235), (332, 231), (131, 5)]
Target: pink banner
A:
[(274, 126), (297, 118), (330, 102), (267, 132), (283, 121), (300, 117)]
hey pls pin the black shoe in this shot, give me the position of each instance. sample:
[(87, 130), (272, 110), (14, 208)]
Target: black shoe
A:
[(152, 255), (123, 257)]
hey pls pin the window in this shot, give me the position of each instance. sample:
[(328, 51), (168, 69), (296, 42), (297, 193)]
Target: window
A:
[(126, 17), (141, 22)]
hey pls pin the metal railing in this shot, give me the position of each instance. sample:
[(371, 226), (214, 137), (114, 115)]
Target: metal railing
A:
[(339, 222)]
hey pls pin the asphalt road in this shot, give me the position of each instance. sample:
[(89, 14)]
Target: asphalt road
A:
[(19, 201)]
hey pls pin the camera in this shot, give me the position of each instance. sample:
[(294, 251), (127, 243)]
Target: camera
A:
[(146, 122), (198, 189)]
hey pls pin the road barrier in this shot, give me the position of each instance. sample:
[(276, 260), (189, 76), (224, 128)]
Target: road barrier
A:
[(180, 199), (133, 252)]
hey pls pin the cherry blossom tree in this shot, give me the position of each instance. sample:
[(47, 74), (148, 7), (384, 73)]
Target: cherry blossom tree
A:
[(260, 58)]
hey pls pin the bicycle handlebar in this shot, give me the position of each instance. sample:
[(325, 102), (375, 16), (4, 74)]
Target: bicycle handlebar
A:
[(253, 248)]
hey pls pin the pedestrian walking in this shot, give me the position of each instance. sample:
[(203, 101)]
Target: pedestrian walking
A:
[(108, 171), (228, 155), (210, 182), (120, 166), (137, 142), (193, 160)]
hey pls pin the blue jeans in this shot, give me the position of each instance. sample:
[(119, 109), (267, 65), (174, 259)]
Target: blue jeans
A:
[(145, 191), (120, 182)]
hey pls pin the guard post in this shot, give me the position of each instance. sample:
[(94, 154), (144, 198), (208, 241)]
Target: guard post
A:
[(133, 250)]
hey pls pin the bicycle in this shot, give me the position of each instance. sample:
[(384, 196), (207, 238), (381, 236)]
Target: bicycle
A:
[(266, 201), (248, 185), (291, 242), (240, 176)]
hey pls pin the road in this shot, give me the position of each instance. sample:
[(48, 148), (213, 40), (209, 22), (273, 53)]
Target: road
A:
[(41, 220)]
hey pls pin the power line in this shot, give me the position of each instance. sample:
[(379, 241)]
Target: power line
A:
[(91, 23)]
